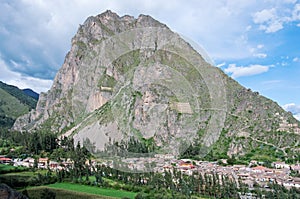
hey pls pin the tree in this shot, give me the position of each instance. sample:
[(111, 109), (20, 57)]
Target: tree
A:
[(48, 194), (79, 155), (231, 160)]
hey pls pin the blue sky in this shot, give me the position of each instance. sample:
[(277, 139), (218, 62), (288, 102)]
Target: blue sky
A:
[(255, 42)]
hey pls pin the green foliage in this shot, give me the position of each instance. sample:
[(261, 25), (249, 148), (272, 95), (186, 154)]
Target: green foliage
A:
[(127, 62), (48, 194), (13, 103), (10, 109), (81, 49), (19, 94), (25, 179), (107, 81), (6, 122), (133, 145), (93, 190), (104, 113), (10, 169), (35, 193)]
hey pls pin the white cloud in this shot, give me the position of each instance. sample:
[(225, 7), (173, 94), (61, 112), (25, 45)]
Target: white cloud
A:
[(269, 20), (221, 64), (294, 109), (260, 55), (240, 71), (265, 15), (273, 19), (296, 12), (297, 116), (41, 31), (296, 59), (21, 81), (260, 46), (284, 63), (255, 51), (272, 27), (248, 28)]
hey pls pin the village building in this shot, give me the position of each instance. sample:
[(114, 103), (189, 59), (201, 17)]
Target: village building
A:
[(43, 163), (280, 165), (4, 160)]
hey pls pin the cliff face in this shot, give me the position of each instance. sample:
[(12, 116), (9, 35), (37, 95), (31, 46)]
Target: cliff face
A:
[(128, 77), (76, 91)]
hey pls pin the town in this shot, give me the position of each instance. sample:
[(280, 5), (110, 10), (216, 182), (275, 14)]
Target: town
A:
[(254, 174)]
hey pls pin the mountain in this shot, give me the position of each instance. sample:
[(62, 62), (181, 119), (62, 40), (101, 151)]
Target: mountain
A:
[(13, 103), (31, 93), (127, 77)]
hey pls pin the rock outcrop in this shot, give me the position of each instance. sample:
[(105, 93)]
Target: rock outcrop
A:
[(127, 76)]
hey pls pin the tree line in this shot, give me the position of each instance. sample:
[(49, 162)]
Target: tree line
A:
[(171, 183)]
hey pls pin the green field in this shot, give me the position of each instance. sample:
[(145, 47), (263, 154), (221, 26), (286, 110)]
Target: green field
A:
[(8, 168), (92, 190), (27, 173), (23, 179), (36, 192)]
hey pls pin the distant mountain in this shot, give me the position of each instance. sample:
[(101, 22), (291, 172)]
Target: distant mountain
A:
[(31, 93), (133, 77), (13, 103)]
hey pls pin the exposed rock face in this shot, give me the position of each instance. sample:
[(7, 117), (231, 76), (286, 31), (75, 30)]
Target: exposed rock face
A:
[(76, 90), (135, 77)]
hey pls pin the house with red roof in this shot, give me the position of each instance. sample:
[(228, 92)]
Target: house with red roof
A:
[(4, 160)]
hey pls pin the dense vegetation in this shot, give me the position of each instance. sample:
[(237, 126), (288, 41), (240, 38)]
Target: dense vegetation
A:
[(19, 94), (13, 103), (169, 184), (132, 146), (59, 193), (263, 149), (36, 143)]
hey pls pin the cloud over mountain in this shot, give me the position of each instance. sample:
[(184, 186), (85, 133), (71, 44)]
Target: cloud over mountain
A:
[(293, 108), (239, 71)]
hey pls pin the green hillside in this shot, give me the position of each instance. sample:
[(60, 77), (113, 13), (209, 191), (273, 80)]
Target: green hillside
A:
[(13, 103), (19, 94)]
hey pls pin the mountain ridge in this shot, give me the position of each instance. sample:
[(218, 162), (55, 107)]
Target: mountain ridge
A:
[(31, 93), (13, 103), (128, 77)]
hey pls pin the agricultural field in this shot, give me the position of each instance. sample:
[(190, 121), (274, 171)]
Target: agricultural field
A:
[(36, 193), (77, 188), (24, 179), (8, 168)]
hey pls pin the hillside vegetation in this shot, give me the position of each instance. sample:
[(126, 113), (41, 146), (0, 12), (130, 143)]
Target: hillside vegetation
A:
[(13, 103)]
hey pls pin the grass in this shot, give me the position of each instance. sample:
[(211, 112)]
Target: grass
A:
[(27, 173), (23, 179), (10, 106), (109, 181), (36, 192), (92, 190), (8, 168)]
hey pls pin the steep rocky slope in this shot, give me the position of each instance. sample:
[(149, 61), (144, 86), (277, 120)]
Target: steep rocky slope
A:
[(127, 77)]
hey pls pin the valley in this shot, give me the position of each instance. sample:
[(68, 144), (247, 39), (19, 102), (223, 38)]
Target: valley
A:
[(135, 111)]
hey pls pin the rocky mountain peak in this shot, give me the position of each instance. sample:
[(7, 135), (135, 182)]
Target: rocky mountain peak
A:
[(127, 76)]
